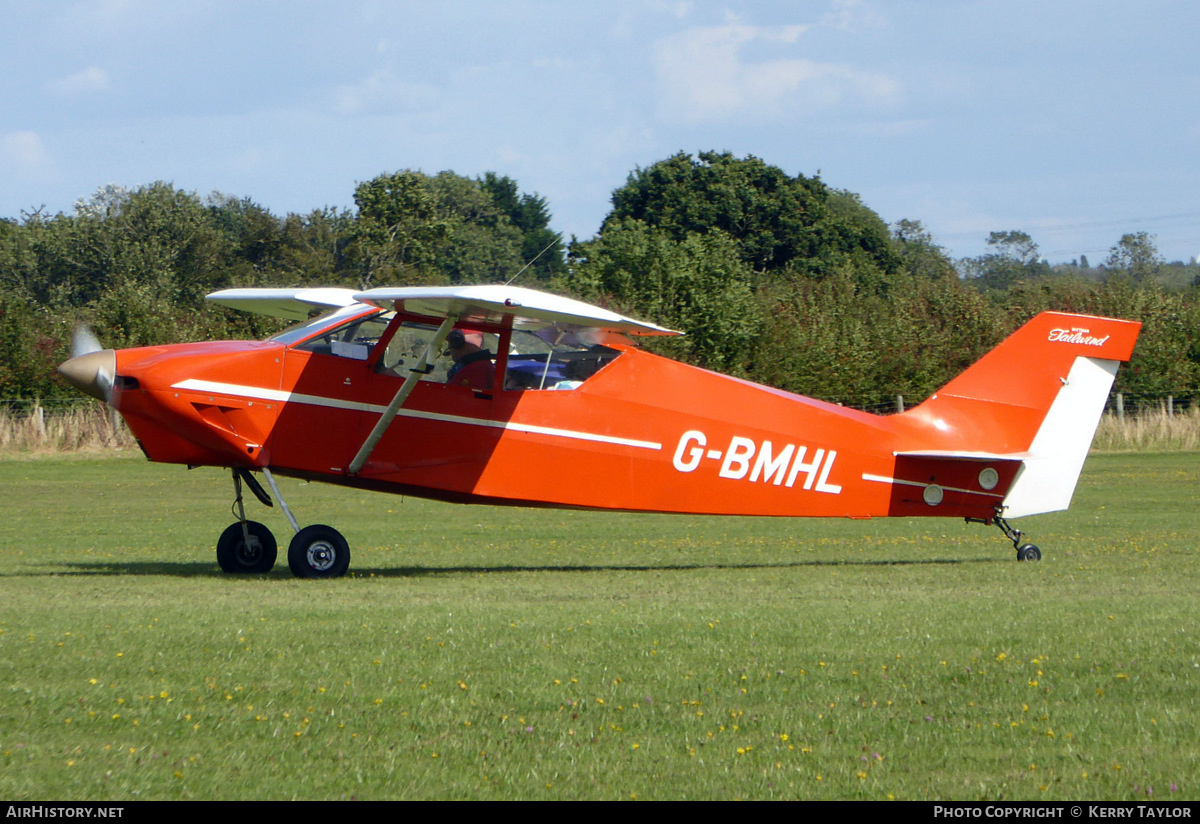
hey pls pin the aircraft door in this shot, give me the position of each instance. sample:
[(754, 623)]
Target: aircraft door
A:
[(329, 411)]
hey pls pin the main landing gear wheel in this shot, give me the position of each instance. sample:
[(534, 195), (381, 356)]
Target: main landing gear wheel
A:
[(238, 555), (318, 551), (1029, 552)]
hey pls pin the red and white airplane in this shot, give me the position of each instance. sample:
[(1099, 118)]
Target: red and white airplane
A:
[(544, 401)]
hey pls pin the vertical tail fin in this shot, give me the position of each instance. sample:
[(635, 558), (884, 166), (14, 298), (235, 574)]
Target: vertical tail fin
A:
[(1038, 395)]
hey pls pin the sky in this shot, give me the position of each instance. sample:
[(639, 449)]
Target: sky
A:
[(1076, 122)]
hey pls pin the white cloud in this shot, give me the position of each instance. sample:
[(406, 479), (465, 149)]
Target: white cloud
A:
[(895, 128), (853, 15), (383, 93), (25, 149), (706, 75), (25, 157), (90, 80)]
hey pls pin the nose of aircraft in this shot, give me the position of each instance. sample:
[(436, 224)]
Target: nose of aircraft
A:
[(92, 373)]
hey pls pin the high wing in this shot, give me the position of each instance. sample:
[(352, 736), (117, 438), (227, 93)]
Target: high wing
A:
[(529, 309), (290, 304)]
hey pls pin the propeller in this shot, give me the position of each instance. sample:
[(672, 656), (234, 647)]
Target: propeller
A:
[(91, 368), (84, 341)]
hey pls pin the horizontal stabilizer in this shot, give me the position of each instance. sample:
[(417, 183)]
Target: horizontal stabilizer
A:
[(944, 482), (964, 456)]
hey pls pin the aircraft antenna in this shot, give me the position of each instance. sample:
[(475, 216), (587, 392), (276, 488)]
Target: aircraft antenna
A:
[(553, 241)]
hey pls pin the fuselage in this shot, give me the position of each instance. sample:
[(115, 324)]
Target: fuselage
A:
[(632, 432)]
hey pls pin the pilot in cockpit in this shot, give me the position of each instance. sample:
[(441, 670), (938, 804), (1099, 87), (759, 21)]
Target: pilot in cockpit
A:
[(473, 365)]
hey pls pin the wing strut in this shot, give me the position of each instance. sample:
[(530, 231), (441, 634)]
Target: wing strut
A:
[(410, 383)]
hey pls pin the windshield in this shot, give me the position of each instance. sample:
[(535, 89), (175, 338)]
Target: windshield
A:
[(310, 327)]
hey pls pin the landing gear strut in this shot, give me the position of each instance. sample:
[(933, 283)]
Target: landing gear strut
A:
[(1025, 552), (316, 551), (246, 547)]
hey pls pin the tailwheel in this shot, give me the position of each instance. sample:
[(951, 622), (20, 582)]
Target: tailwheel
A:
[(318, 551), (246, 547), (1025, 552)]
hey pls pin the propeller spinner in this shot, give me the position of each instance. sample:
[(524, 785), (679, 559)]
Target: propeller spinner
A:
[(91, 368)]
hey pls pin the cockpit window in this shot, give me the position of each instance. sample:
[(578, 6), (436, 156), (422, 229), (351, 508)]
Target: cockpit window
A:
[(353, 340), (553, 360), (543, 360), (547, 359), (302, 330)]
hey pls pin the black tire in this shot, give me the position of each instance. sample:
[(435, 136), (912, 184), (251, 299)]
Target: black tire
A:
[(235, 557), (1029, 552), (318, 551)]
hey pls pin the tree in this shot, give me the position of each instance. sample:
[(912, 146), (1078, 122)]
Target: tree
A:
[(314, 248), (154, 235), (778, 222), (1136, 254), (158, 237), (922, 257), (397, 230), (1014, 245), (1014, 257), (254, 235), (700, 285), (412, 228), (32, 344), (106, 202), (481, 244), (541, 247), (31, 257)]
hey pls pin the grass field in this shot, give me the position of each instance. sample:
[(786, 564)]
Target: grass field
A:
[(506, 653)]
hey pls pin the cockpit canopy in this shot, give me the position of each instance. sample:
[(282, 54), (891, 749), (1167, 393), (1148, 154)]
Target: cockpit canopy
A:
[(534, 360)]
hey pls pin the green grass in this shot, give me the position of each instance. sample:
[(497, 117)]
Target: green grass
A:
[(507, 653)]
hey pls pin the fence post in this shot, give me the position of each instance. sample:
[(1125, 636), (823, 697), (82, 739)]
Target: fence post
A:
[(899, 404), (1170, 407), (39, 423), (1121, 407)]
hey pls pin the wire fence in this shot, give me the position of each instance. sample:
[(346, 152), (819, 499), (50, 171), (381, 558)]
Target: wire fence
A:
[(79, 427), (1169, 404), (26, 406)]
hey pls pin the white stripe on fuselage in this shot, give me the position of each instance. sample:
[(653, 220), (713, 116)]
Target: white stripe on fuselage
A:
[(281, 396)]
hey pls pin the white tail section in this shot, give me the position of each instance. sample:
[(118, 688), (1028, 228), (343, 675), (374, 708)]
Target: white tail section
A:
[(1047, 480)]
